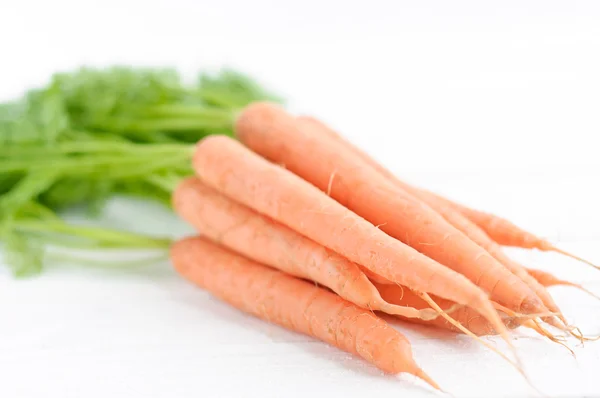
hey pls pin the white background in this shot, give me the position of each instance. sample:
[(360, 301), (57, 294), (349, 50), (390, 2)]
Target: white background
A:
[(492, 103)]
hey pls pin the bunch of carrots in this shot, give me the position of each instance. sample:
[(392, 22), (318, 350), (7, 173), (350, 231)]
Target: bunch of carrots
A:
[(302, 229), (295, 224)]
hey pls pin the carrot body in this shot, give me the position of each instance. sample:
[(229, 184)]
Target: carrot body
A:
[(506, 233), (235, 171), (304, 150), (454, 217), (294, 304), (261, 239), (466, 316)]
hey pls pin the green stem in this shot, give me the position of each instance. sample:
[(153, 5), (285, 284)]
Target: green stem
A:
[(124, 239), (78, 166), (143, 170), (67, 241), (103, 263), (167, 183), (38, 210), (92, 147)]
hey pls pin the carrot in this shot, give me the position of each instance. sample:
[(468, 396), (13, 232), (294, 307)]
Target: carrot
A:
[(547, 279), (455, 218), (256, 237), (506, 233), (498, 229), (465, 315), (225, 165), (260, 239), (294, 304), (270, 131)]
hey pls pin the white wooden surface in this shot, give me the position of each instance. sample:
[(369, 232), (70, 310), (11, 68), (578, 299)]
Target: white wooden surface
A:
[(492, 103)]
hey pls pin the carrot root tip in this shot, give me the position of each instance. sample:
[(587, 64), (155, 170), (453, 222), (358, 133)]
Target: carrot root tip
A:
[(501, 328), (583, 289), (534, 325), (427, 379), (577, 333)]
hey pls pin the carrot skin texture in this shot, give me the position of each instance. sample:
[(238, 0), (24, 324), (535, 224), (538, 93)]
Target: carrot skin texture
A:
[(294, 304), (479, 237), (230, 168), (260, 239), (454, 217), (446, 210), (276, 135), (498, 229)]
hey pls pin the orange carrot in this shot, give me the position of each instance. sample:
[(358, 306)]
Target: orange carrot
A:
[(225, 165), (547, 279), (500, 230), (294, 304), (260, 239), (506, 233), (270, 131), (455, 218)]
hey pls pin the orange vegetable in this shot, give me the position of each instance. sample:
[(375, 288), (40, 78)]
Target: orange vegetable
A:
[(260, 239), (227, 166), (294, 304), (455, 218), (506, 233), (271, 132)]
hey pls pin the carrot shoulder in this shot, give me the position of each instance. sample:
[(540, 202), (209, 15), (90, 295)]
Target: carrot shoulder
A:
[(294, 304), (229, 167), (276, 135)]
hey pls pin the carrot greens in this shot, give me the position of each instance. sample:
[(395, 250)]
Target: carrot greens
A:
[(93, 134)]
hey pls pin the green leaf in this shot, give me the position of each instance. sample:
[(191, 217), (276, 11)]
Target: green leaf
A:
[(39, 118), (94, 133), (93, 95), (47, 111)]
